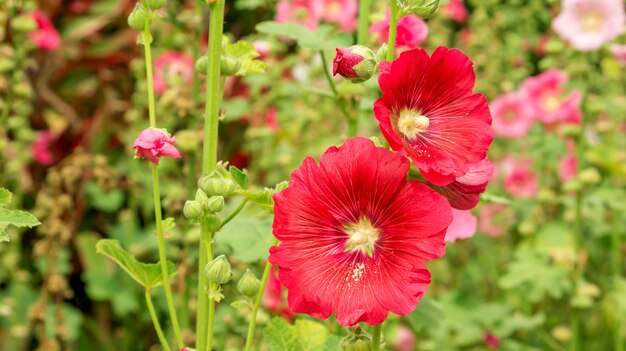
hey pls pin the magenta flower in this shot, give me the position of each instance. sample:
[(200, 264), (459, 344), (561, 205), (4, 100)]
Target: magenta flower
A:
[(456, 11), (492, 219), (405, 339), (154, 143), (463, 225), (588, 24), (41, 148), (411, 32), (511, 115), (305, 12), (568, 168), (544, 94), (354, 235), (170, 69), (519, 178), (45, 36), (341, 12)]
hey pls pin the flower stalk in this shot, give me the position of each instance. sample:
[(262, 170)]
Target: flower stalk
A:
[(364, 14), (393, 27), (376, 336), (352, 122), (155, 321)]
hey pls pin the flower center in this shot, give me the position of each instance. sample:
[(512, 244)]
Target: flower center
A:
[(509, 116), (551, 103), (362, 236), (591, 22), (411, 123)]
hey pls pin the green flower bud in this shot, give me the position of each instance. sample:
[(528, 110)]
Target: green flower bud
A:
[(526, 228), (229, 66), (192, 210), (137, 18), (360, 342), (215, 203), (24, 24), (381, 53), (218, 271), (218, 182), (546, 195), (155, 4), (248, 285), (424, 8), (202, 199), (213, 222), (202, 64), (590, 176), (572, 186), (187, 140)]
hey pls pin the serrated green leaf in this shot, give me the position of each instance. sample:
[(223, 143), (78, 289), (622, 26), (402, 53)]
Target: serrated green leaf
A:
[(147, 274), (168, 224), (240, 177), (20, 219), (321, 39), (244, 52), (333, 343), (250, 238), (5, 197), (311, 335), (280, 335)]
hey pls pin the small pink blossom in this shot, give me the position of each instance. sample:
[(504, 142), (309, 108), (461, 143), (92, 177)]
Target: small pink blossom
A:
[(45, 36), (305, 12), (519, 178), (490, 219), (170, 69), (463, 225), (153, 143), (544, 94), (619, 53), (405, 339), (341, 12), (263, 47), (512, 117), (411, 33), (271, 120), (273, 297), (568, 168), (588, 24), (492, 341), (41, 148), (456, 11)]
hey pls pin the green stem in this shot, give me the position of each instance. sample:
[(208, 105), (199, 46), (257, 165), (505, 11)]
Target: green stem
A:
[(352, 122), (155, 321), (393, 26), (17, 60), (234, 214), (376, 336), (364, 15), (211, 321), (209, 159), (616, 262), (157, 193), (257, 302)]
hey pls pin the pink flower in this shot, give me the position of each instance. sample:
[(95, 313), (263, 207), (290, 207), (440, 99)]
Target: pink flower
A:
[(263, 47), (512, 117), (544, 94), (273, 296), (463, 225), (428, 111), (271, 120), (342, 12), (305, 12), (153, 143), (493, 219), (588, 24), (354, 235), (492, 341), (411, 33), (344, 63), (519, 178), (171, 69), (405, 339), (455, 10), (41, 148), (568, 168), (619, 53), (45, 36)]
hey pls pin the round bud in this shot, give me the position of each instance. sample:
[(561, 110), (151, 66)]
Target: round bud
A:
[(24, 24), (192, 210), (590, 176), (202, 64), (218, 271), (202, 199), (155, 4), (357, 343), (137, 18), (248, 285), (213, 222), (357, 63), (215, 203), (229, 66), (217, 183)]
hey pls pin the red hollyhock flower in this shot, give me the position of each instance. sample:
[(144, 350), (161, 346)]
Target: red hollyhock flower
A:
[(428, 111), (354, 235), (153, 143), (344, 62), (464, 192)]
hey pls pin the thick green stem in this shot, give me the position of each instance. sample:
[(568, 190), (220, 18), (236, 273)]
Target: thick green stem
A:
[(155, 321), (157, 194), (352, 122), (376, 337), (364, 15), (393, 26), (257, 303), (204, 328)]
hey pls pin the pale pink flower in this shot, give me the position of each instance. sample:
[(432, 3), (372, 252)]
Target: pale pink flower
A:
[(463, 225), (45, 36), (545, 96), (456, 11), (519, 179), (405, 339), (305, 12), (154, 143), (619, 53), (41, 148), (171, 69), (568, 169), (490, 219), (263, 47), (511, 115), (341, 12), (411, 33), (588, 24)]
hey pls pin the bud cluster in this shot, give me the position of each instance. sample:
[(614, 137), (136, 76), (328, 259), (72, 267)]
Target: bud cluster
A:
[(205, 208), (357, 340)]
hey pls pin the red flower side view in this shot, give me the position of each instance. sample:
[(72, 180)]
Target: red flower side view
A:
[(354, 235), (429, 112)]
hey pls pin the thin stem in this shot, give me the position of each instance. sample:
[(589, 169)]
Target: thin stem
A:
[(352, 122), (234, 214), (616, 262), (393, 26), (155, 321), (209, 159), (364, 14), (210, 327), (257, 302), (157, 193), (376, 337)]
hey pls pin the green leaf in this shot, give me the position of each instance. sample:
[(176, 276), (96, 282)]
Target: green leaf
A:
[(168, 224), (311, 336), (105, 201), (240, 177), (244, 52), (321, 39), (5, 197), (20, 219), (147, 274), (280, 335), (249, 237)]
